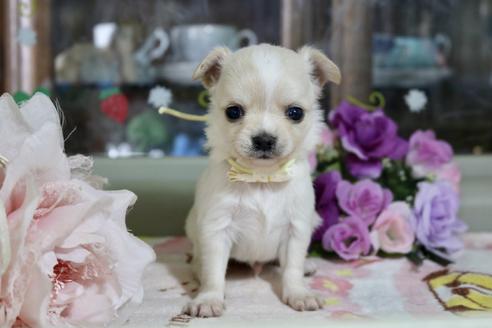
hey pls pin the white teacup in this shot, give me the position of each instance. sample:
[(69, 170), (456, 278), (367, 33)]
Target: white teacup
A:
[(191, 43)]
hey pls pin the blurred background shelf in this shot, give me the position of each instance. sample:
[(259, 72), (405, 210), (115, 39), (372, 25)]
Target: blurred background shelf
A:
[(77, 49), (409, 77)]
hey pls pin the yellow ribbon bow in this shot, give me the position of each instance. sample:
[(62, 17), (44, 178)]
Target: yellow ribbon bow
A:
[(239, 173)]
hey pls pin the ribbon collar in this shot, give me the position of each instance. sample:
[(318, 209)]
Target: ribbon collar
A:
[(239, 173)]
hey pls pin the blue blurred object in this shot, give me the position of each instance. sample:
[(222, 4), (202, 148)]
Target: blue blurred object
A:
[(410, 62), (404, 52), (184, 145)]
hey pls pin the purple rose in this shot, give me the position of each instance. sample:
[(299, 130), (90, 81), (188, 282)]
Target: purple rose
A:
[(370, 168), (349, 239), (325, 187), (368, 137), (364, 199), (436, 221), (427, 155)]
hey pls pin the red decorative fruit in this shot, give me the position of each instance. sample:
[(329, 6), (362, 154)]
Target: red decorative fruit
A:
[(115, 107)]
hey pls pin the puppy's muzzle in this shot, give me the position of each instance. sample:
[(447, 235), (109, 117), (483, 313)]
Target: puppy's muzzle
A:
[(263, 145), (264, 142)]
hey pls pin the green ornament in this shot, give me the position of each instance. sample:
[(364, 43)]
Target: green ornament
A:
[(146, 131), (20, 97), (44, 90)]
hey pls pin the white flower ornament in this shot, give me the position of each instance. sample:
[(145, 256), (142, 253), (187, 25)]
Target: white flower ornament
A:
[(416, 100), (160, 97)]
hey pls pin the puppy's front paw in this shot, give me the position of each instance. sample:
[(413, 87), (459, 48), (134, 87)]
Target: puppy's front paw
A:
[(303, 300), (309, 268), (205, 305)]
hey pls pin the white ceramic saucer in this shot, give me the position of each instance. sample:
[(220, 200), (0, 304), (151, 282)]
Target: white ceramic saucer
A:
[(180, 72)]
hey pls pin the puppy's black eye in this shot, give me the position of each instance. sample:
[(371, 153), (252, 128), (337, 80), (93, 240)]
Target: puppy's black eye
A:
[(234, 112), (295, 113)]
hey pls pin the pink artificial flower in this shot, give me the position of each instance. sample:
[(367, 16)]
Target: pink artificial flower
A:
[(72, 260), (96, 268), (392, 232), (430, 156), (365, 199), (35, 157), (349, 238), (451, 173), (312, 160), (327, 136), (427, 155)]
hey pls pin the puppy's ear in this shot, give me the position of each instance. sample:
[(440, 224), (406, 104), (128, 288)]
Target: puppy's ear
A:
[(323, 69), (210, 68)]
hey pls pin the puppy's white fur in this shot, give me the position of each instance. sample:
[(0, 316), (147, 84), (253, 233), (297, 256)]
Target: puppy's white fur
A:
[(257, 222)]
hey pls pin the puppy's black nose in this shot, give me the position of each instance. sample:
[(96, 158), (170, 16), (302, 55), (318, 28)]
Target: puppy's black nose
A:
[(263, 142)]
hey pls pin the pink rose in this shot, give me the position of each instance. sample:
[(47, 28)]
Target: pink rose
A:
[(452, 174), (364, 199), (312, 160), (72, 261), (327, 136), (349, 238), (427, 155), (93, 265), (392, 232)]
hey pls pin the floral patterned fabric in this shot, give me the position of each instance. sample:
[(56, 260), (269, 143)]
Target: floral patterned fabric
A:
[(371, 289)]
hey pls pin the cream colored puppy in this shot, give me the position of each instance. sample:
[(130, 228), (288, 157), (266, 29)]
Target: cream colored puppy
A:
[(264, 119)]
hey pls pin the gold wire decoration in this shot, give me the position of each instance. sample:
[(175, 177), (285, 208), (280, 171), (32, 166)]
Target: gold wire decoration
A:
[(376, 101), (202, 101), (181, 115), (203, 98)]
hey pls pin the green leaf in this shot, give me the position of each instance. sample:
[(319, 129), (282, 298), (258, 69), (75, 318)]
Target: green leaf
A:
[(416, 256), (316, 250), (397, 177), (108, 92), (436, 258)]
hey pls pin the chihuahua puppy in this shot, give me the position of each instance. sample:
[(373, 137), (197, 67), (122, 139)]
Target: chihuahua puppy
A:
[(255, 201)]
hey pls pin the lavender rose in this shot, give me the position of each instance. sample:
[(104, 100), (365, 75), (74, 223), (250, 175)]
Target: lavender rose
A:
[(427, 155), (364, 199), (325, 186), (436, 221), (368, 137), (349, 239)]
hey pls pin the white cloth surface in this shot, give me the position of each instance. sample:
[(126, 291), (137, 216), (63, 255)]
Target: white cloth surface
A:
[(253, 301)]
